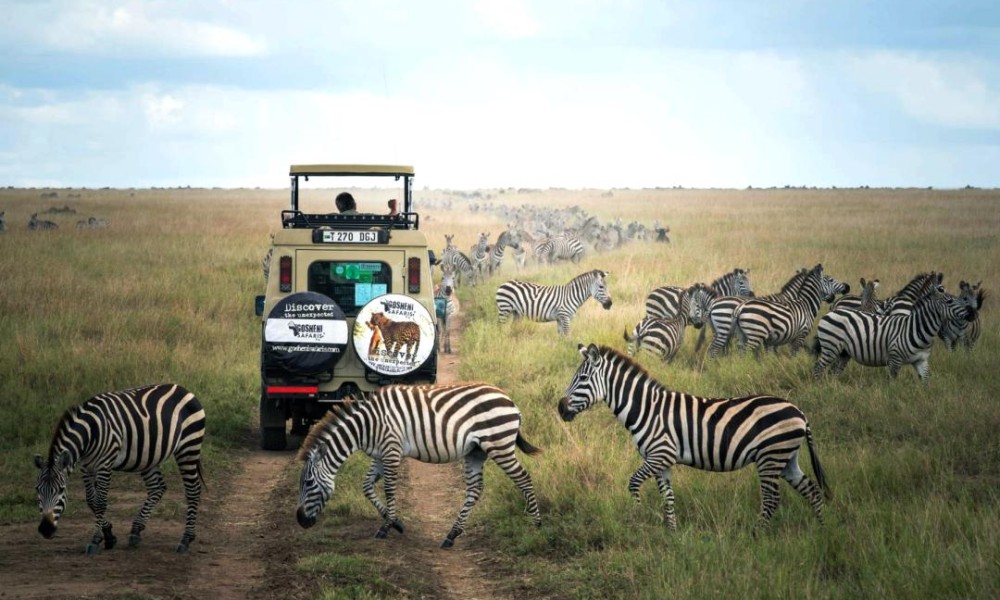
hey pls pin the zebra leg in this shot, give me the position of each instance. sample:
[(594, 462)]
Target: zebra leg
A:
[(391, 462), (191, 475), (562, 324), (644, 472), (770, 493), (667, 491), (806, 487), (373, 477), (155, 487), (522, 479), (96, 484), (447, 334), (473, 489), (923, 368)]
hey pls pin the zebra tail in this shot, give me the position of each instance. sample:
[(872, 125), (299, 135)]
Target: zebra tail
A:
[(526, 447), (817, 467)]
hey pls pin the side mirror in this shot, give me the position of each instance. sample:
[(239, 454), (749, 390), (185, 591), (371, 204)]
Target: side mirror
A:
[(258, 306)]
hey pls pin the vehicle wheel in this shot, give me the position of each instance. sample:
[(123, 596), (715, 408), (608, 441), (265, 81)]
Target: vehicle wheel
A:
[(272, 438), (272, 425)]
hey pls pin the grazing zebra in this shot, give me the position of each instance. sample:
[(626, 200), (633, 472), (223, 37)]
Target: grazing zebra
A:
[(719, 311), (764, 323), (131, 430), (546, 303), (431, 423), (891, 340), (446, 306), (662, 337), (35, 223), (868, 300), (714, 434), (507, 238), (967, 332), (667, 301)]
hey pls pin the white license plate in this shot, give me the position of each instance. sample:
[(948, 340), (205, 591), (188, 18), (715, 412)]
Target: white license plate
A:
[(350, 237)]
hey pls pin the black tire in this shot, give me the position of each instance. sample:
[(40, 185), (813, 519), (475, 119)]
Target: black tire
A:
[(272, 425)]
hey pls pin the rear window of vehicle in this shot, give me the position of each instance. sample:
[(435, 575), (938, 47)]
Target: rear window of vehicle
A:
[(351, 284)]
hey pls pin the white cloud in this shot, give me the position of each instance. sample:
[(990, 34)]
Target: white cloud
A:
[(953, 92), (132, 27)]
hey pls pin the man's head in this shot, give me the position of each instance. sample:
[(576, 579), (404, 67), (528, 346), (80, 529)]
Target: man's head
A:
[(345, 202)]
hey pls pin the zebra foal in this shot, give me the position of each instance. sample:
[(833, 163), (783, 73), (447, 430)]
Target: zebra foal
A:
[(557, 303), (431, 423), (713, 434), (131, 430)]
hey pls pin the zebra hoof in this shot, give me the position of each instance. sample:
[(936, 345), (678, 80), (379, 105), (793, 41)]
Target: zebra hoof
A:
[(92, 549), (398, 525), (183, 549), (447, 543), (133, 540), (109, 542), (382, 532)]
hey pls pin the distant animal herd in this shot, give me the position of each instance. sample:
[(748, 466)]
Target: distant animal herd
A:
[(35, 223)]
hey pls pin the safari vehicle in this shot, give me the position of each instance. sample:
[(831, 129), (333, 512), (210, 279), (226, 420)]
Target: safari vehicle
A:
[(349, 303)]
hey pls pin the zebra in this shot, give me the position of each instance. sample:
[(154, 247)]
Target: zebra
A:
[(431, 423), (667, 301), (480, 256), (35, 223), (902, 302), (713, 434), (446, 306), (3, 221), (662, 337), (719, 311), (461, 265), (968, 332), (507, 238), (768, 323), (867, 301), (546, 303), (564, 246), (130, 430), (888, 340)]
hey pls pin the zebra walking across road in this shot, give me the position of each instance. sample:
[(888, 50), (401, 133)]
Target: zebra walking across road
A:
[(431, 423), (892, 340), (130, 430), (713, 434), (557, 303)]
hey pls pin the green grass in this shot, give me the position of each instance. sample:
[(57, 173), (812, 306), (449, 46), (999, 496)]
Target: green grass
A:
[(166, 294)]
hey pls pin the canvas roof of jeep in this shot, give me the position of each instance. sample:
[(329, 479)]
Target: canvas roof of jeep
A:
[(347, 170)]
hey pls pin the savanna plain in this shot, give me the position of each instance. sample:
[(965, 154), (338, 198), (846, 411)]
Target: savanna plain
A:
[(166, 291)]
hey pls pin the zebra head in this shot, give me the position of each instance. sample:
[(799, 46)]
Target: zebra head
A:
[(599, 289), (316, 485), (589, 385), (830, 287), (51, 488), (698, 299)]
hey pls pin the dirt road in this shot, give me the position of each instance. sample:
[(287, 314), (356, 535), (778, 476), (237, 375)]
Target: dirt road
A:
[(248, 542)]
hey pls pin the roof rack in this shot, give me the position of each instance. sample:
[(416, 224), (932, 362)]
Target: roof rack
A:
[(293, 219)]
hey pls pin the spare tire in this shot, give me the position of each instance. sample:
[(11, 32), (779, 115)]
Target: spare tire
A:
[(394, 335), (305, 333)]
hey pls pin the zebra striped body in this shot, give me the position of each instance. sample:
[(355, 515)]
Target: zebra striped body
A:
[(460, 265), (668, 301), (867, 302), (714, 434), (887, 340), (967, 332), (546, 303), (564, 246), (769, 323), (446, 306), (431, 423), (719, 311), (480, 256), (661, 337), (902, 302), (3, 220), (35, 224), (131, 430), (507, 238)]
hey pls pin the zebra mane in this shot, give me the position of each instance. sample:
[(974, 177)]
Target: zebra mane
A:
[(796, 281), (67, 417), (917, 284), (589, 274), (335, 414), (612, 353)]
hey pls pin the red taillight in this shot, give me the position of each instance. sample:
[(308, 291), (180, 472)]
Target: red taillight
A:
[(285, 274), (282, 390), (413, 275)]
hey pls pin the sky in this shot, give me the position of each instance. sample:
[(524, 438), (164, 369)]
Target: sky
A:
[(502, 93)]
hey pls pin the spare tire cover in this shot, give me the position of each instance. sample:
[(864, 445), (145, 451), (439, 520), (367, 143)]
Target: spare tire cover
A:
[(394, 334), (305, 333)]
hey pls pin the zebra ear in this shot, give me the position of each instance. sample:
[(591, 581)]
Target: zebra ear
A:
[(593, 354), (581, 349), (39, 461)]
